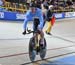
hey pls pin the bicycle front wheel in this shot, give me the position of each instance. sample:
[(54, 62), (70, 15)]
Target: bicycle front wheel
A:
[(32, 52)]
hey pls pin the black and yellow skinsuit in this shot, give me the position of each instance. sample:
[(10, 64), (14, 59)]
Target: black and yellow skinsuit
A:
[(49, 16)]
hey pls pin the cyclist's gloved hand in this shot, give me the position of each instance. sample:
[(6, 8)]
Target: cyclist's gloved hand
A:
[(24, 32)]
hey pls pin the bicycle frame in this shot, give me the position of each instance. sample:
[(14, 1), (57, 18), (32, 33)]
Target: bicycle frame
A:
[(37, 38)]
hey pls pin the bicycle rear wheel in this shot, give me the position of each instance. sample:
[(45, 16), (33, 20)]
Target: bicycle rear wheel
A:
[(32, 52), (43, 50)]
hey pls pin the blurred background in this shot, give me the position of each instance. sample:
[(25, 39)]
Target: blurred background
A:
[(21, 6)]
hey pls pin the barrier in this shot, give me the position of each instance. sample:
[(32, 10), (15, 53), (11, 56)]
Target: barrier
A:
[(69, 14), (1, 15), (14, 16), (59, 15)]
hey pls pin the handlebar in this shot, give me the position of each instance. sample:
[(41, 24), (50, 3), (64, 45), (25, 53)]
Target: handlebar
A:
[(29, 31)]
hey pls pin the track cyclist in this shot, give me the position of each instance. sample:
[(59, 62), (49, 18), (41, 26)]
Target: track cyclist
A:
[(30, 15)]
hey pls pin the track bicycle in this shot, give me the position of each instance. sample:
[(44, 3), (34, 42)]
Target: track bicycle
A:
[(34, 45)]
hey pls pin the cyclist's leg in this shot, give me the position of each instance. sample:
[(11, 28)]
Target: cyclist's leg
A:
[(35, 25), (42, 38)]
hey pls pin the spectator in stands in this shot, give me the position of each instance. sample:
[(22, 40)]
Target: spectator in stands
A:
[(38, 2), (2, 3), (52, 2), (73, 0), (69, 3), (28, 3), (21, 7), (45, 4)]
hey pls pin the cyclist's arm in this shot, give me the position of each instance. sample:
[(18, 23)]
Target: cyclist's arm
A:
[(27, 19)]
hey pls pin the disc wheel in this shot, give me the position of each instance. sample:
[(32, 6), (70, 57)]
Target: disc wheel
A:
[(32, 52)]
